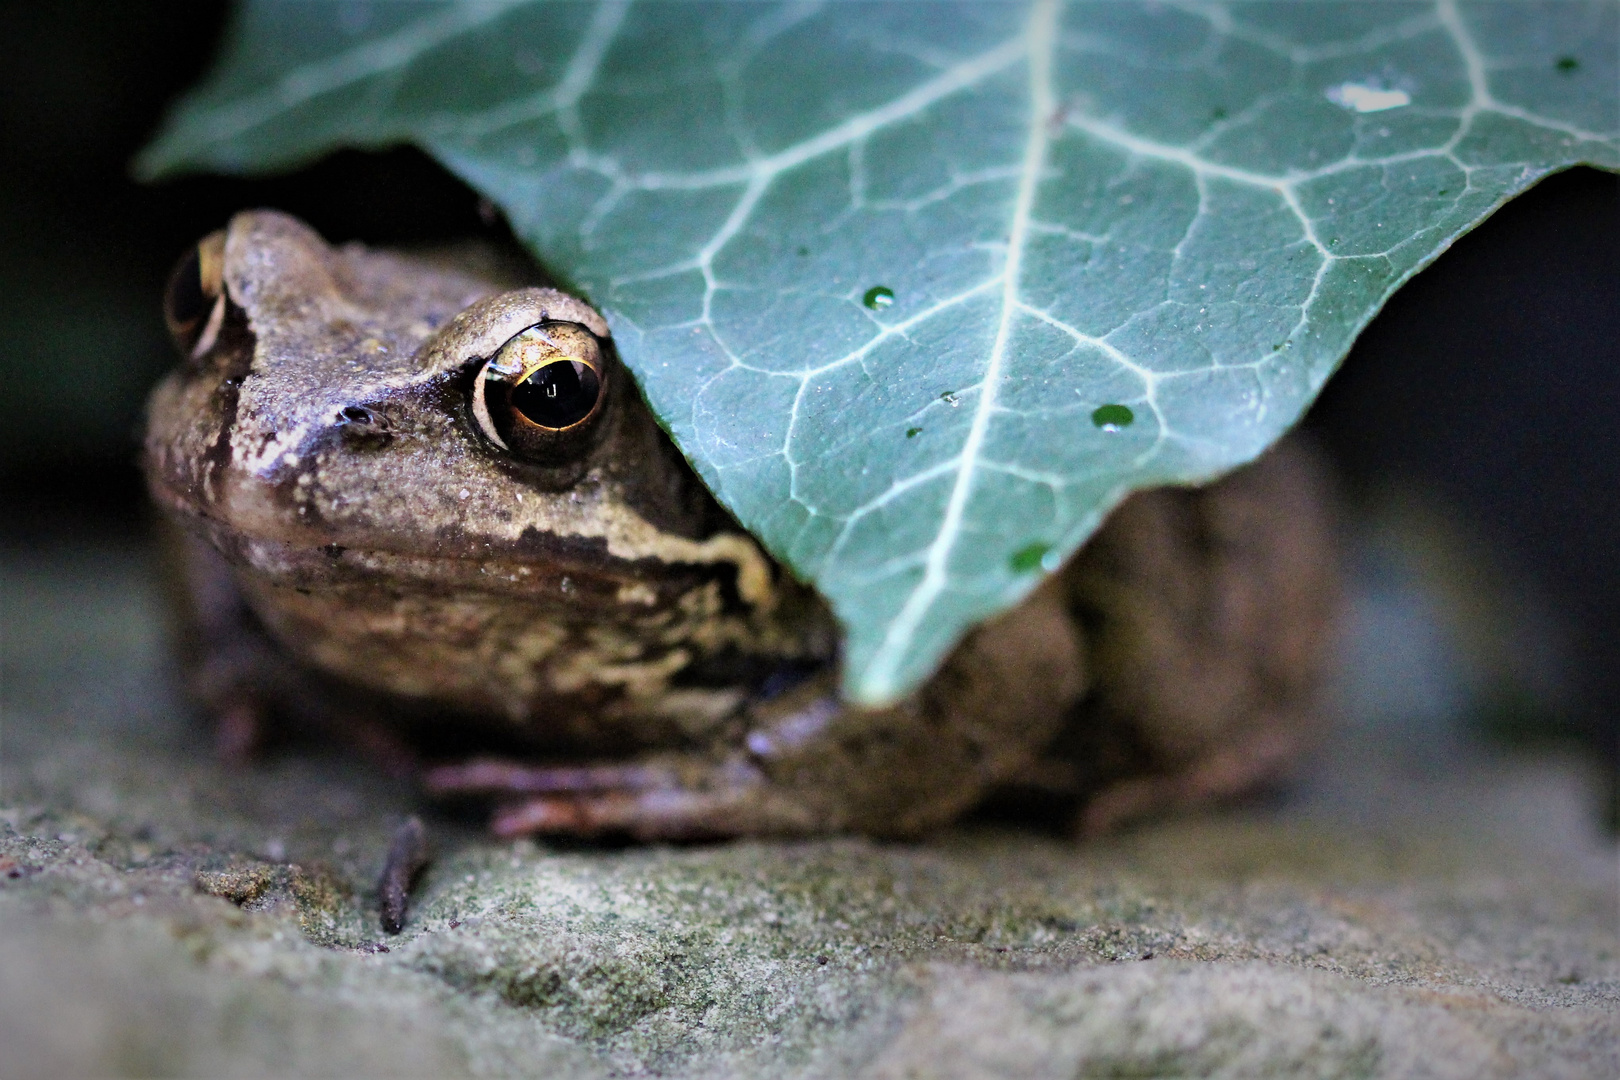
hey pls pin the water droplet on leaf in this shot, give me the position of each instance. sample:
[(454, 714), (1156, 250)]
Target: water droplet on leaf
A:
[(1112, 417), (878, 297)]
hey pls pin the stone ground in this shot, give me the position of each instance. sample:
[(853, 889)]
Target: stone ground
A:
[(163, 915)]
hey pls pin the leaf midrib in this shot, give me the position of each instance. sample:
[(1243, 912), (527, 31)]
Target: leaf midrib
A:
[(1041, 37)]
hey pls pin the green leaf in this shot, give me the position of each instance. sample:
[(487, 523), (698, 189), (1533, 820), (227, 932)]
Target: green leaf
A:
[(894, 275)]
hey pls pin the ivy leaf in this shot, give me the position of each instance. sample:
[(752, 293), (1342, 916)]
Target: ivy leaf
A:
[(923, 290)]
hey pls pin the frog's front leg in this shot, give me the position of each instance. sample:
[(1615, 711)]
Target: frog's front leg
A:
[(231, 669), (811, 764), (237, 675)]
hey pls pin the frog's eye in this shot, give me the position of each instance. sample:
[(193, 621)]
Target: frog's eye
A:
[(541, 393), (194, 302)]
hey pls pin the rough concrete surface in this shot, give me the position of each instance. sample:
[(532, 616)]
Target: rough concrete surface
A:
[(161, 914)]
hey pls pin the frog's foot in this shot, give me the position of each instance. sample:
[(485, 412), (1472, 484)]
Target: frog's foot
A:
[(673, 797), (1251, 761), (251, 714)]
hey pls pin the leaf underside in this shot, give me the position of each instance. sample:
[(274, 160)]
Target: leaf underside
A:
[(923, 290)]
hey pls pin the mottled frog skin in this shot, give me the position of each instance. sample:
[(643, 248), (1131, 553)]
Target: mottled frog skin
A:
[(429, 511)]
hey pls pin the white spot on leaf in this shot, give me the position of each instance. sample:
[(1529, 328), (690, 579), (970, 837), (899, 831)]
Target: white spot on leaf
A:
[(1367, 97)]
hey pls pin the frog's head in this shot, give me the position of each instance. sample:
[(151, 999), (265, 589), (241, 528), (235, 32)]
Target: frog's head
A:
[(338, 405)]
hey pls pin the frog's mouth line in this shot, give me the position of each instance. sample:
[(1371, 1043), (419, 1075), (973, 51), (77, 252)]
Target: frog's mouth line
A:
[(581, 569)]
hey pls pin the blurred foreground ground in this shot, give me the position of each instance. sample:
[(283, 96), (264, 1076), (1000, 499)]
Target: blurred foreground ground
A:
[(1414, 907)]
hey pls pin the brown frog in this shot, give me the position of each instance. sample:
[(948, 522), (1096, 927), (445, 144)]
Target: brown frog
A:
[(431, 512)]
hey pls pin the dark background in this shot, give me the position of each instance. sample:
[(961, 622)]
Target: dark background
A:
[(1490, 384)]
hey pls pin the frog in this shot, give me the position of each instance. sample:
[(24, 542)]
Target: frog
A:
[(421, 505)]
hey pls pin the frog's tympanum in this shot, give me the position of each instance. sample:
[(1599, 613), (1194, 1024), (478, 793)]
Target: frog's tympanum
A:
[(431, 512)]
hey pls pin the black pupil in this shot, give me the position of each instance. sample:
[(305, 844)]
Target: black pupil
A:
[(186, 299), (559, 395)]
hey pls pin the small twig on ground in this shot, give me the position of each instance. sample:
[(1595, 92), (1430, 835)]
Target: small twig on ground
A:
[(407, 855)]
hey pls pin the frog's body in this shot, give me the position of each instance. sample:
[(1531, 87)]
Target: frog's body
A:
[(373, 541)]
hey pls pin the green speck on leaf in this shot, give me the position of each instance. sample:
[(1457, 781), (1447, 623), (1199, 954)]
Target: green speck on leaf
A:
[(1567, 64), (913, 432), (1219, 113), (1112, 417), (1028, 558), (878, 296)]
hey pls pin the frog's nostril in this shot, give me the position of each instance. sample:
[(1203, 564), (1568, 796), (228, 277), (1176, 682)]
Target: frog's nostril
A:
[(361, 426)]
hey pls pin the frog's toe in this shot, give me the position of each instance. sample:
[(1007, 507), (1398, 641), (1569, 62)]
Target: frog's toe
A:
[(667, 800), (497, 776), (1249, 763), (668, 814)]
